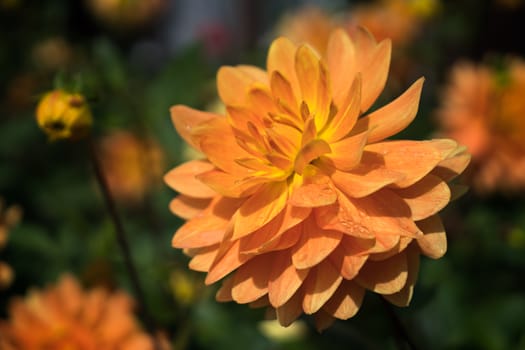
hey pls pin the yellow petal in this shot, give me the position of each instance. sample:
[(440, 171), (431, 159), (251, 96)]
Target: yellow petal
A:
[(385, 277), (314, 245), (426, 197), (185, 119), (260, 208), (188, 207), (403, 297), (233, 82), (319, 286), (250, 281), (346, 301), (284, 279), (434, 241), (183, 179), (393, 117)]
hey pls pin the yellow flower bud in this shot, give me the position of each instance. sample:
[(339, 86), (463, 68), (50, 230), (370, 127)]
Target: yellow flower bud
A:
[(63, 115)]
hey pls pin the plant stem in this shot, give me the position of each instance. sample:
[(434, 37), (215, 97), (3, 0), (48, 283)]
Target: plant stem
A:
[(121, 236), (401, 333)]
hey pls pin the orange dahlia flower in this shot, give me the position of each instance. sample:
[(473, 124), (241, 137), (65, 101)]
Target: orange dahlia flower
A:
[(301, 204), (483, 108), (9, 217), (66, 317)]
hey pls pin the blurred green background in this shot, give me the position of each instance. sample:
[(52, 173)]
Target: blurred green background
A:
[(132, 66)]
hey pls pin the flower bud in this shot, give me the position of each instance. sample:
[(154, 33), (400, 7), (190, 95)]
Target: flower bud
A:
[(64, 115)]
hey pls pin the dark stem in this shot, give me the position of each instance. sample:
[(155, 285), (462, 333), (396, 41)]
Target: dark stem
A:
[(121, 237), (401, 334)]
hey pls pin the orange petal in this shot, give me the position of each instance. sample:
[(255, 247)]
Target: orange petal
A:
[(314, 245), (309, 152), (203, 258), (375, 74), (307, 71), (434, 241), (346, 301), (251, 279), (266, 238), (233, 82), (226, 262), (393, 117), (291, 310), (199, 232), (225, 292), (281, 58), (319, 286), (185, 119), (346, 154), (449, 168), (230, 185), (415, 159), (426, 197), (282, 90), (348, 257), (403, 297), (385, 277), (260, 208), (188, 207), (183, 179), (284, 279), (340, 57), (217, 141), (345, 118), (314, 189), (323, 320)]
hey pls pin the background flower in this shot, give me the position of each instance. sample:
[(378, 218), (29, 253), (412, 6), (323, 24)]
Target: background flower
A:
[(9, 217)]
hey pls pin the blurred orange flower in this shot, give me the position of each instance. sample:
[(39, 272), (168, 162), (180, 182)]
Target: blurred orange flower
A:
[(483, 108), (9, 217), (132, 166), (64, 316), (301, 204), (126, 13)]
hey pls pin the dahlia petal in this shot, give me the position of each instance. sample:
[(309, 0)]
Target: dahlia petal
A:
[(226, 262), (188, 207), (291, 310), (319, 286), (434, 241), (199, 232), (346, 154), (350, 256), (316, 189), (182, 179), (456, 191), (314, 245), (346, 301), (263, 302), (285, 241), (230, 185), (203, 258), (403, 297), (450, 168), (284, 279), (233, 82), (309, 152), (415, 159), (384, 277), (323, 320), (375, 74), (239, 117), (393, 117), (260, 208), (340, 58), (382, 253), (224, 293), (368, 177), (281, 58), (250, 281), (345, 118), (261, 102), (217, 141), (426, 197), (282, 89), (266, 238), (307, 72), (185, 119), (341, 216)]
